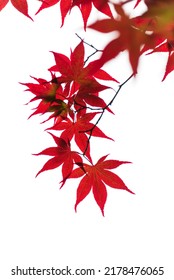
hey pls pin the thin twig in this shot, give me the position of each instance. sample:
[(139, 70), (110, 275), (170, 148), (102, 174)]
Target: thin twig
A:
[(103, 110), (85, 107), (90, 45)]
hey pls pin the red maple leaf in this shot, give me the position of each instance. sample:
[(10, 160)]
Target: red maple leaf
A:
[(20, 5), (87, 96), (61, 155), (78, 129), (137, 3), (65, 6), (159, 21), (52, 98), (75, 74), (166, 47), (85, 7), (169, 65), (95, 178), (130, 38)]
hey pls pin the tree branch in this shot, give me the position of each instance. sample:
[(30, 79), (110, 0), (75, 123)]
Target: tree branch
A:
[(103, 111), (90, 45)]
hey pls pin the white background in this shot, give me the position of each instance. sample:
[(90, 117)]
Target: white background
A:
[(38, 224)]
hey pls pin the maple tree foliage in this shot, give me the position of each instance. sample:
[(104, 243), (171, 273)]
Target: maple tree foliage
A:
[(85, 7), (20, 5), (95, 178), (71, 98)]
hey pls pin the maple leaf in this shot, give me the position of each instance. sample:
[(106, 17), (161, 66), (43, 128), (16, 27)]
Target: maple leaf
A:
[(95, 178), (20, 5), (137, 3), (159, 20), (130, 38), (52, 98), (161, 14), (61, 155), (65, 6), (3, 3), (166, 47), (78, 129), (87, 95), (85, 7), (169, 65), (75, 74)]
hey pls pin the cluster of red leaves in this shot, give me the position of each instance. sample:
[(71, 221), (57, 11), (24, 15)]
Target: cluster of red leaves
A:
[(74, 90), (85, 7), (159, 21), (152, 30)]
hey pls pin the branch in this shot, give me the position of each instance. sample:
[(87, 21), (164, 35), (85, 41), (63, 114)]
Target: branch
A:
[(90, 45), (103, 111), (86, 107)]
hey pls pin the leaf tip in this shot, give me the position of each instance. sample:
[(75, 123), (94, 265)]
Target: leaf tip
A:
[(102, 210), (75, 207), (37, 174), (130, 191)]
